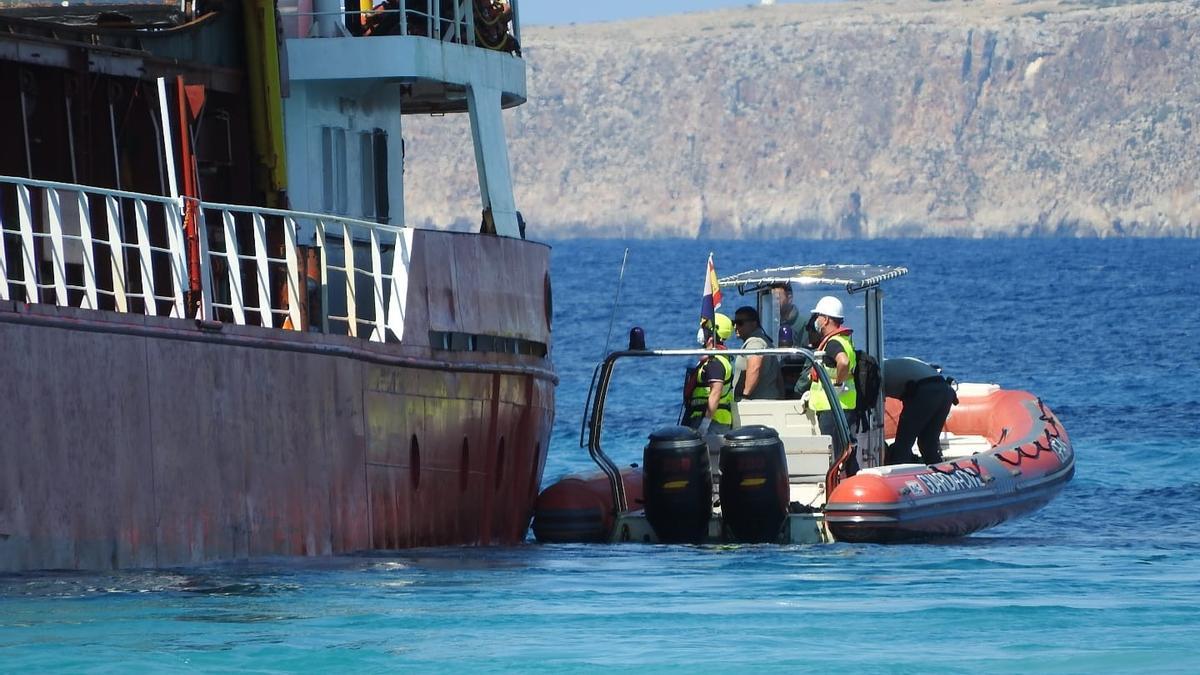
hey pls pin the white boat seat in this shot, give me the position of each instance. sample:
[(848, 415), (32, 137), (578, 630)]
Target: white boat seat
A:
[(893, 469), (783, 415), (955, 446), (808, 458)]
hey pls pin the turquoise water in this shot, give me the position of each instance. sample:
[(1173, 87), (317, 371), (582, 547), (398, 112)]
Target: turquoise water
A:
[(1106, 578)]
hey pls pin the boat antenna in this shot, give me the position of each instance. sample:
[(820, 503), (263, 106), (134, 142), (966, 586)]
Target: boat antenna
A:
[(616, 298)]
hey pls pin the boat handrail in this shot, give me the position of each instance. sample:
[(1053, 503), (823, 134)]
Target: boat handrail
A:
[(75, 187), (457, 27), (298, 215), (598, 393), (128, 252)]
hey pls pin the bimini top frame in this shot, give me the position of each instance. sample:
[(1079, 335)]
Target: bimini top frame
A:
[(852, 278), (598, 393)]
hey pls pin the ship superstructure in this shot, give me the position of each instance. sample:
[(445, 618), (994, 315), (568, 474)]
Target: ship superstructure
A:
[(218, 339)]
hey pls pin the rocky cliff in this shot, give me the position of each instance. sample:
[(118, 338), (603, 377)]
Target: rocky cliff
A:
[(849, 119)]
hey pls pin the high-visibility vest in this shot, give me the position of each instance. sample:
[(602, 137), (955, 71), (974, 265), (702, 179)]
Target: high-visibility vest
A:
[(847, 394), (699, 404)]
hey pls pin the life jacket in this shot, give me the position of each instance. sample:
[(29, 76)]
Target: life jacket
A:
[(698, 407), (847, 392)]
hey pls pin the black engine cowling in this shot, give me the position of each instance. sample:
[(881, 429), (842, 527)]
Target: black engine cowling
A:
[(754, 484), (677, 485)]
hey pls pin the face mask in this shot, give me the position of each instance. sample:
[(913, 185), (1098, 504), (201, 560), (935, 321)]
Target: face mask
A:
[(700, 337), (819, 325)]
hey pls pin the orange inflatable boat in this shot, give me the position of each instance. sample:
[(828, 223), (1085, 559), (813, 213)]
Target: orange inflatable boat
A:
[(1006, 455), (1021, 458)]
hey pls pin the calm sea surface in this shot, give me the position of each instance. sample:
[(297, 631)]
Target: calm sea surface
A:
[(1106, 578)]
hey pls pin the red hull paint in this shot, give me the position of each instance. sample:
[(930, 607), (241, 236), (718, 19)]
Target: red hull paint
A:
[(133, 441), (1030, 462)]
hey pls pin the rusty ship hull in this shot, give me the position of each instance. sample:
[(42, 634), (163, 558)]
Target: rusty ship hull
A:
[(219, 337), (135, 441)]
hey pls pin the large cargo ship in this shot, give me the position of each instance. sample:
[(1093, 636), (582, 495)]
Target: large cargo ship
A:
[(218, 339)]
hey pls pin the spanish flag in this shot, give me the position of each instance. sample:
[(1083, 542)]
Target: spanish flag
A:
[(712, 296)]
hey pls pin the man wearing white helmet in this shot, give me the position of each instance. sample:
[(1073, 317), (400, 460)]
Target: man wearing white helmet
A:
[(839, 363)]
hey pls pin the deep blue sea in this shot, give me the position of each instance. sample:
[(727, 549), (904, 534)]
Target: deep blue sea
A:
[(1104, 579)]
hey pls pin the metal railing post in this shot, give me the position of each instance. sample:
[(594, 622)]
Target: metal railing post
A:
[(173, 220), (3, 264), (145, 261), (57, 253), (206, 282), (470, 22), (236, 299), (323, 252), (25, 219), (458, 21), (293, 273), (378, 334), (89, 260), (516, 21), (351, 282), (396, 304), (117, 248), (262, 270)]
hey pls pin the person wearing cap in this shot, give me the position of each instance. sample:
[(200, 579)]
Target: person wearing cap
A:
[(839, 363), (759, 375), (709, 392), (927, 398)]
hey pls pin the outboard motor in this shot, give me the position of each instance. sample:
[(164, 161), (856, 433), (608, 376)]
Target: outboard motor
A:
[(754, 484), (677, 485)]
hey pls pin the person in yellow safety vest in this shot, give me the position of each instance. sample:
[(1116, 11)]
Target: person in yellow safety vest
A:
[(839, 363), (710, 401)]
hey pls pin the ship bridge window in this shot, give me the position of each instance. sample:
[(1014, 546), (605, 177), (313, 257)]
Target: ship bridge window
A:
[(333, 170), (454, 341), (372, 150)]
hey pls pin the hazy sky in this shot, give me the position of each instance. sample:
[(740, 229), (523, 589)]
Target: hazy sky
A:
[(540, 12)]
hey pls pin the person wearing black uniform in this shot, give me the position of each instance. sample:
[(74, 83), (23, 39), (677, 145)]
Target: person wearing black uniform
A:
[(927, 398)]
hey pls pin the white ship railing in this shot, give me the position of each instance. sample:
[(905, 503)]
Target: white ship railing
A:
[(448, 21), (76, 246)]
